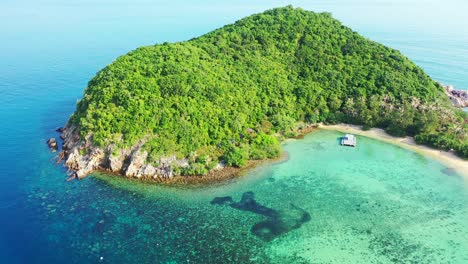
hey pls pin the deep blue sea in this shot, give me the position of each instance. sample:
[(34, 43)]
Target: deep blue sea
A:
[(49, 50)]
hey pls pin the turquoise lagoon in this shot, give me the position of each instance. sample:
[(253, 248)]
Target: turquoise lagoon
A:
[(376, 203)]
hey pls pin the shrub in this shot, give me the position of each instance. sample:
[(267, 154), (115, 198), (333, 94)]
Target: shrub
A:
[(235, 156)]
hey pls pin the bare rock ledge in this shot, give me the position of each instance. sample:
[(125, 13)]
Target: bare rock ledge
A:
[(82, 158)]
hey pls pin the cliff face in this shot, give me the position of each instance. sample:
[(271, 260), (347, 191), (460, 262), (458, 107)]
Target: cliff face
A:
[(83, 158)]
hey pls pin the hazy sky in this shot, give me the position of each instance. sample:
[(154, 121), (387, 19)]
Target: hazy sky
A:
[(423, 14), (432, 32)]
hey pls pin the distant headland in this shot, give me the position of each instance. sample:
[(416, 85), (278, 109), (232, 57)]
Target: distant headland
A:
[(232, 95)]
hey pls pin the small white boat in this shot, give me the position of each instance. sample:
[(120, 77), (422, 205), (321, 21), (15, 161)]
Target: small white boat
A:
[(348, 140)]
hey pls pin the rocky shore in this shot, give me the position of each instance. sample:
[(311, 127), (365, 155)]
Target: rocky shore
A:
[(82, 158), (220, 175), (459, 98)]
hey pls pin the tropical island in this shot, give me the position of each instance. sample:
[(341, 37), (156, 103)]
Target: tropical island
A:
[(232, 95)]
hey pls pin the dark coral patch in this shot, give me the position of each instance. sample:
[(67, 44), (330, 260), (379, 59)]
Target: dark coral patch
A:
[(277, 223)]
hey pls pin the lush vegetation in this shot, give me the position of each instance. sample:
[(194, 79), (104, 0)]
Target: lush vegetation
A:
[(230, 93)]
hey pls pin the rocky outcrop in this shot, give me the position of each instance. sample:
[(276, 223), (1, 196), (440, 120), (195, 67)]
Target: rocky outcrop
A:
[(52, 144), (82, 158), (459, 98), (137, 164), (84, 164)]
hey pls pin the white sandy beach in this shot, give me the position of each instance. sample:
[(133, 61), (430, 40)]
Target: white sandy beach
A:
[(447, 158)]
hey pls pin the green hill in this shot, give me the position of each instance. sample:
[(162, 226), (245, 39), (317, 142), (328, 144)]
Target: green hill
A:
[(230, 93)]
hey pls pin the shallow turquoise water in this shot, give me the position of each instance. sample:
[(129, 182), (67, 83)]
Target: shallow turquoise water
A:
[(376, 203)]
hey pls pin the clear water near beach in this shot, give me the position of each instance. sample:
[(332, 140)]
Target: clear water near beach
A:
[(376, 203)]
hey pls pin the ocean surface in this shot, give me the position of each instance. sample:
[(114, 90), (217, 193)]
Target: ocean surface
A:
[(376, 203)]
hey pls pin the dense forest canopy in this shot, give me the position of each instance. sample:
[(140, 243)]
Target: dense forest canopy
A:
[(230, 93)]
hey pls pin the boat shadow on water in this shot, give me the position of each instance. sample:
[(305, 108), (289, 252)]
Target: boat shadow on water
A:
[(278, 221), (451, 172)]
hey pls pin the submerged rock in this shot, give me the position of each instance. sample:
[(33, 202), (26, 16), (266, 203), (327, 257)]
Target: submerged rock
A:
[(283, 222), (222, 200), (248, 203), (278, 221)]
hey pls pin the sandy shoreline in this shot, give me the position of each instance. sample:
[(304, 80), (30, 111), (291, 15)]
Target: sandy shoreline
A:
[(448, 159)]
